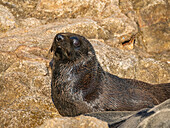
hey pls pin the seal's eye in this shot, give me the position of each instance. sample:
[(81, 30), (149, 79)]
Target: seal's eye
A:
[(76, 41), (59, 37)]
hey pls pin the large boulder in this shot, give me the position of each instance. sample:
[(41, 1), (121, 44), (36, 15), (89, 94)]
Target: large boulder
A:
[(152, 19), (156, 117), (130, 38)]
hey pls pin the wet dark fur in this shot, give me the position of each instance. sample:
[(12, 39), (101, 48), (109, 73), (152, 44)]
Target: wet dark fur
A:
[(80, 85)]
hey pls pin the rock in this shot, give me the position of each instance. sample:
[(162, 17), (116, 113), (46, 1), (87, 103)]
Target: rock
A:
[(6, 61), (154, 26), (21, 9), (7, 20), (119, 26), (76, 8), (152, 17), (106, 15), (30, 22), (75, 122), (119, 62), (33, 36), (128, 64), (131, 39), (113, 118), (153, 71), (126, 8), (156, 117), (25, 89)]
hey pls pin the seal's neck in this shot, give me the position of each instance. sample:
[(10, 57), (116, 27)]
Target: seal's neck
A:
[(79, 77)]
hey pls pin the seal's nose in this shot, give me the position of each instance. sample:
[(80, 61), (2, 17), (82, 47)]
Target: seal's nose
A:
[(59, 37)]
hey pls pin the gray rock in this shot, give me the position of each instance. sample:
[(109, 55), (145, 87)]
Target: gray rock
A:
[(156, 117)]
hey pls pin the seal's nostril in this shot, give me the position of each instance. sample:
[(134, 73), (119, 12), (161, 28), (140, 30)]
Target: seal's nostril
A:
[(59, 37)]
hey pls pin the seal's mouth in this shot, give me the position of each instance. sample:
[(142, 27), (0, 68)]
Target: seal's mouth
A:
[(58, 50), (62, 53)]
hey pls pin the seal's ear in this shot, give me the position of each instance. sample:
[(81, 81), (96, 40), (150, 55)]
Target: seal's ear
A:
[(51, 49)]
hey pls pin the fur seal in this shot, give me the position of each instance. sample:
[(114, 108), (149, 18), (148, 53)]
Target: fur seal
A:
[(79, 84)]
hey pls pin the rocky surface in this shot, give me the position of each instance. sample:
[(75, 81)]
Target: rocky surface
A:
[(74, 122), (156, 117), (7, 20), (131, 39)]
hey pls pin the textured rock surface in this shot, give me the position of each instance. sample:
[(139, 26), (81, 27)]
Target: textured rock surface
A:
[(156, 117), (30, 22), (25, 89), (77, 122), (130, 64), (153, 20), (131, 39), (7, 20), (78, 8)]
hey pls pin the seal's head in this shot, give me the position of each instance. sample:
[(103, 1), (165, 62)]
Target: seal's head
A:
[(70, 46)]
